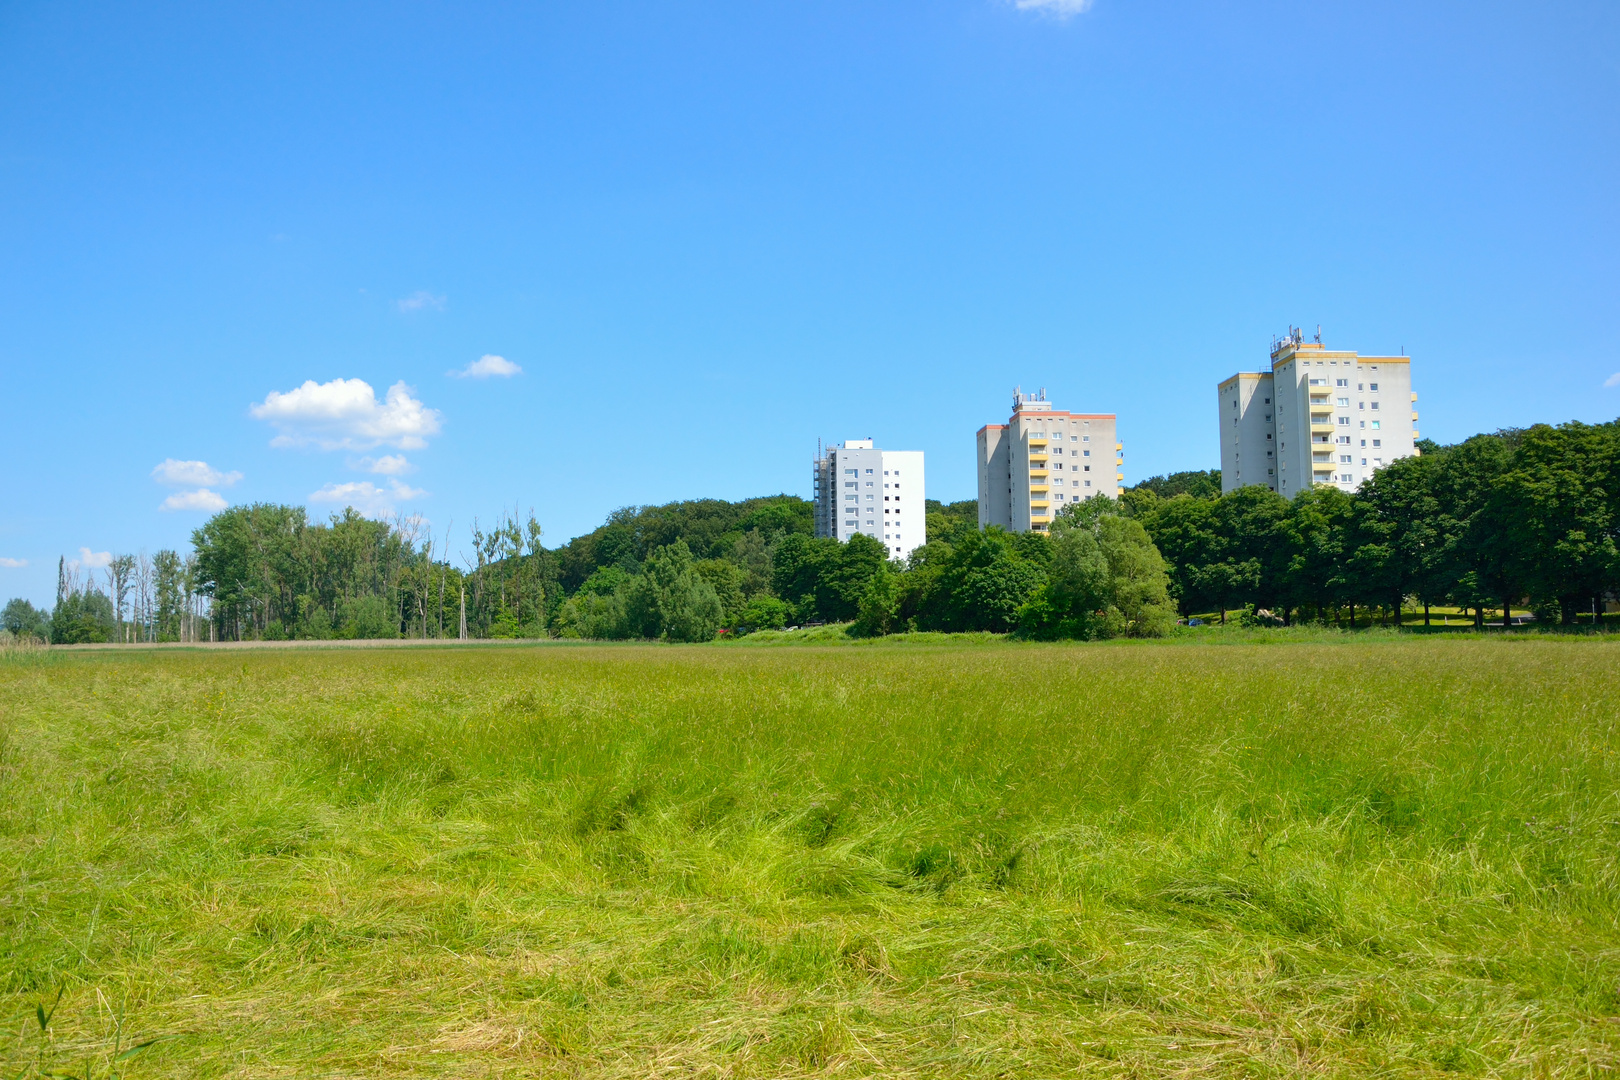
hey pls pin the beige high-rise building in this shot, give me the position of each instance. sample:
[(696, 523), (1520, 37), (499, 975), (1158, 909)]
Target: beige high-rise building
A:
[(1041, 460), (1319, 416)]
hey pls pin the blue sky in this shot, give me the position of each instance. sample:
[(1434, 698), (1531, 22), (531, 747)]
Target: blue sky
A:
[(709, 234)]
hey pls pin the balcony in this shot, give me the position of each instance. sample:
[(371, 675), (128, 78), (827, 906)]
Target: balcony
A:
[(1039, 492), (1037, 463), (1034, 443), (1322, 423), (1037, 475)]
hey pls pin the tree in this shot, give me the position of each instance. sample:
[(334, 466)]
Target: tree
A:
[(170, 589), (23, 620), (1319, 524), (1471, 555), (120, 580), (879, 606), (824, 578), (1138, 593), (1397, 533), (1105, 578), (669, 600), (84, 616), (1200, 484), (981, 582), (1554, 515)]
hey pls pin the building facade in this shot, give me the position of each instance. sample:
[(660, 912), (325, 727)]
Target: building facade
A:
[(1041, 460), (1319, 416), (861, 489)]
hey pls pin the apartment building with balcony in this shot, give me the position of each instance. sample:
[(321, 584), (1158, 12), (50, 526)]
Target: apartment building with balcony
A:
[(1319, 416), (859, 488), (1043, 459)]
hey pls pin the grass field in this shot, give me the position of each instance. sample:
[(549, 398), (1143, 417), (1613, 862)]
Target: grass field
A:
[(1346, 858)]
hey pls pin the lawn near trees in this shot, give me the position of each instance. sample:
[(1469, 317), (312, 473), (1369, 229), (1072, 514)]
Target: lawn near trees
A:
[(1356, 856)]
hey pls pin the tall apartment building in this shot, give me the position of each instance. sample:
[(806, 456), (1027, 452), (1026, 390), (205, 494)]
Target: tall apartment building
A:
[(1042, 459), (1319, 416), (861, 489)]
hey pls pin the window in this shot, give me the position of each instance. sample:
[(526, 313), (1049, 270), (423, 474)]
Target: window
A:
[(870, 483), (1363, 404), (1268, 401), (868, 472), (851, 522), (869, 521), (1360, 386), (1088, 467), (1085, 438), (852, 483), (1344, 421), (1344, 403), (1268, 439), (885, 473), (1342, 382), (1373, 386), (1344, 477), (1074, 438), (1364, 461), (1378, 442), (852, 472), (1087, 453), (1088, 483), (1375, 425), (1344, 459), (1375, 406)]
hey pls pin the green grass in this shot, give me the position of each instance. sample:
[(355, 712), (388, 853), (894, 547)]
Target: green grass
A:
[(1391, 856)]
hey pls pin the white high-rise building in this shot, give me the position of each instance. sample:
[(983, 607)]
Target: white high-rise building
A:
[(1319, 416), (1041, 460), (861, 489)]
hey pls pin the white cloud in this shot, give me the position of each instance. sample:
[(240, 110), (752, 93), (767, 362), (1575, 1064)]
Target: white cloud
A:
[(421, 300), (365, 496), (387, 465), (486, 366), (345, 414), (12, 564), (201, 499), (1061, 9), (93, 560), (1612, 380), (192, 474)]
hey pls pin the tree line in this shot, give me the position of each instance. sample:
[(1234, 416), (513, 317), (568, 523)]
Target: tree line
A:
[(1516, 519), (1526, 518)]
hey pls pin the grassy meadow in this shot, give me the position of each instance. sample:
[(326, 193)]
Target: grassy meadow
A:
[(1342, 857)]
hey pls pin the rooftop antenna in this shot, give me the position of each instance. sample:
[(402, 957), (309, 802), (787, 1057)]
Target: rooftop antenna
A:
[(1319, 333)]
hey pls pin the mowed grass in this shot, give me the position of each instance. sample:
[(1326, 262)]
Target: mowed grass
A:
[(1384, 858)]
